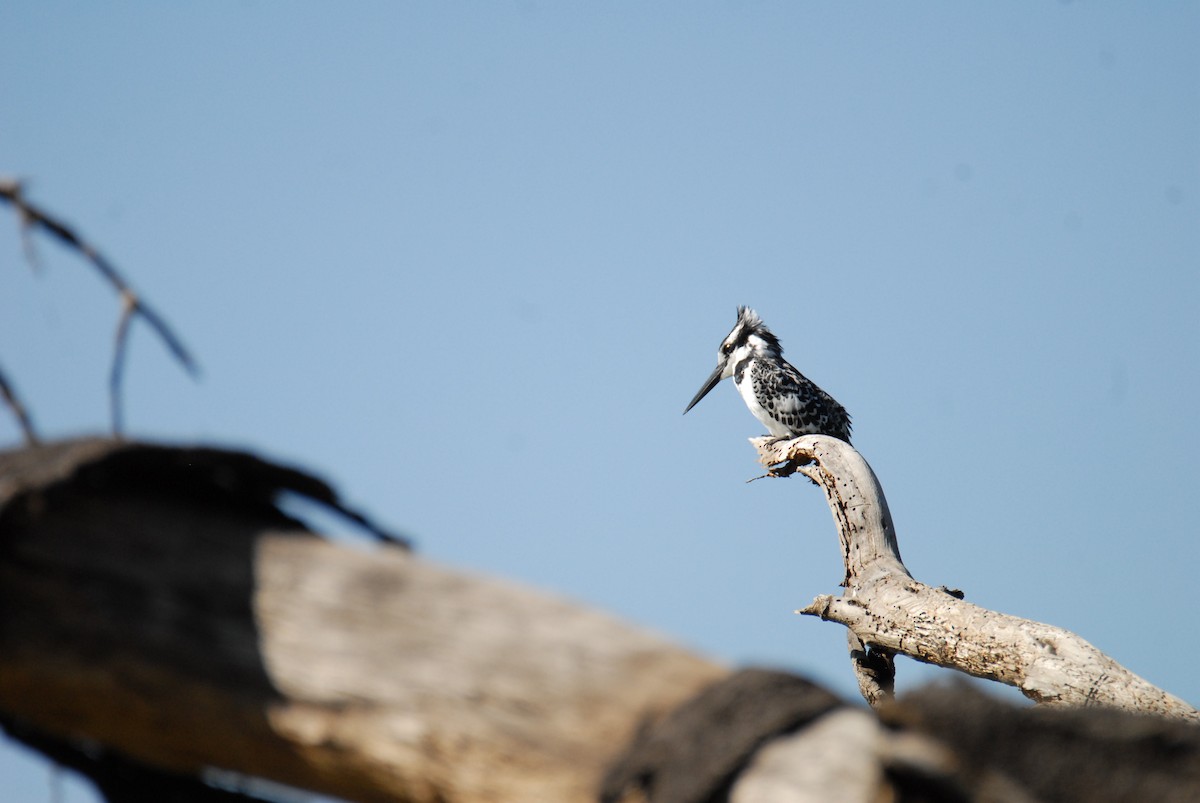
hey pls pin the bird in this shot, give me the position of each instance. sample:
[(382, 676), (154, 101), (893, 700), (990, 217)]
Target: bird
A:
[(787, 402)]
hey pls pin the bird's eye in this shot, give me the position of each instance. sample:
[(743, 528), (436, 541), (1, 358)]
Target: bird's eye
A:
[(728, 347)]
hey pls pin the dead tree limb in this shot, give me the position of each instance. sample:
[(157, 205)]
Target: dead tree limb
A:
[(33, 218), (155, 601), (886, 609)]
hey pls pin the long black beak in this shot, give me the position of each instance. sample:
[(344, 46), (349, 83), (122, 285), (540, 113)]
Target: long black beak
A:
[(709, 384)]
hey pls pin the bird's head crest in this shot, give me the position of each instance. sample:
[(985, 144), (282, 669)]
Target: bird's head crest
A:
[(749, 323)]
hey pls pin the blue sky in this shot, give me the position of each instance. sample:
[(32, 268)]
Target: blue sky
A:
[(469, 261)]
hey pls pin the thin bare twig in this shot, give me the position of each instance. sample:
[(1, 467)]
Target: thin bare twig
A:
[(34, 218), (18, 410), (128, 307)]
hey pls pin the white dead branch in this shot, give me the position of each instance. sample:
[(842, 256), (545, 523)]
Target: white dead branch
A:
[(887, 610)]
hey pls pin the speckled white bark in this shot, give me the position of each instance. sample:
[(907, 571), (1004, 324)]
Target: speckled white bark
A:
[(889, 610)]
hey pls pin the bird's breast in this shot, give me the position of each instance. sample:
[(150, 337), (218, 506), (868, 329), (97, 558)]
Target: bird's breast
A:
[(744, 379)]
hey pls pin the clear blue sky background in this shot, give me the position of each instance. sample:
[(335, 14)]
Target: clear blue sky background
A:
[(470, 261)]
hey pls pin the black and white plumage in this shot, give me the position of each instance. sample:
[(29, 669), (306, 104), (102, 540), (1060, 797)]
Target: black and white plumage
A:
[(781, 397)]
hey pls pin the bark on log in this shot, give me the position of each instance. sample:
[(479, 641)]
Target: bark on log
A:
[(176, 616), (885, 608)]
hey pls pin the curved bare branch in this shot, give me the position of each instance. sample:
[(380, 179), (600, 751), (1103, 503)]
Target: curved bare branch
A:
[(886, 609)]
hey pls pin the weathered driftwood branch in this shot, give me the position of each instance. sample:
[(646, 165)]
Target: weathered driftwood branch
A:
[(885, 608), (156, 603)]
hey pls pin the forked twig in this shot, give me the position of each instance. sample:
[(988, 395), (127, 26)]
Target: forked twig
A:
[(33, 218)]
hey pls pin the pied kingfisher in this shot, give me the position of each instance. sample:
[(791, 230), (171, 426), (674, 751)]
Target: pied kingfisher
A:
[(779, 396)]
